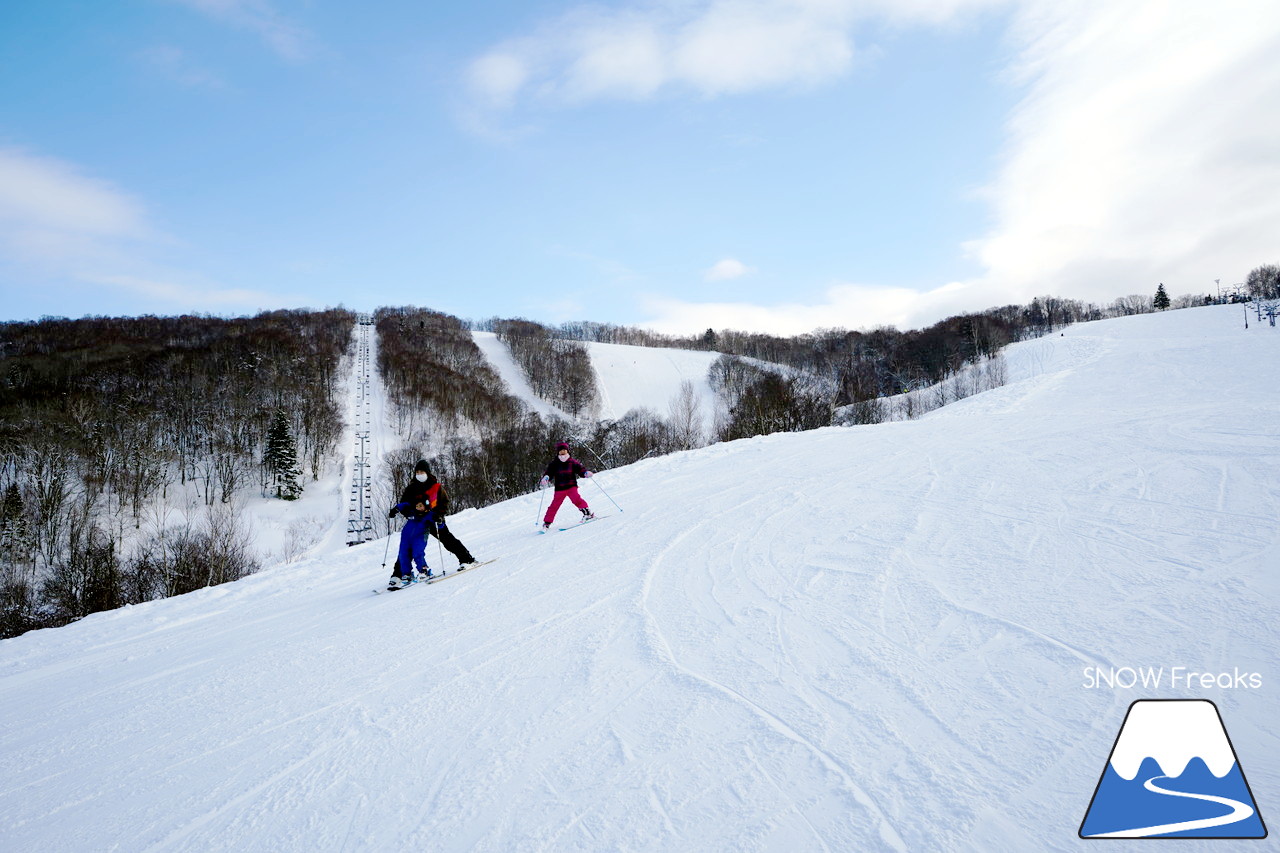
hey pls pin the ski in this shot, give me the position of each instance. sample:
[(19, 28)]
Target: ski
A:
[(584, 521), (467, 570), (439, 577), (398, 588)]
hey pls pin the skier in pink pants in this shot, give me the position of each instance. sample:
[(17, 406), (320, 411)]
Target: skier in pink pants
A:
[(564, 472)]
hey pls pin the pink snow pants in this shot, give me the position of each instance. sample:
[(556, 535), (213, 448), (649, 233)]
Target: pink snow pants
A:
[(572, 494)]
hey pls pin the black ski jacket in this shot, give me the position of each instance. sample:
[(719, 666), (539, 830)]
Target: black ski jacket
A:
[(565, 474)]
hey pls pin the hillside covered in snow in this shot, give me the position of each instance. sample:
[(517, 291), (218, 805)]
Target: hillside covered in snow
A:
[(627, 378), (868, 638)]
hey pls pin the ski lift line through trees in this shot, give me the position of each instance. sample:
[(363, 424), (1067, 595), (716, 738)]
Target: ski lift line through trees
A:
[(360, 507)]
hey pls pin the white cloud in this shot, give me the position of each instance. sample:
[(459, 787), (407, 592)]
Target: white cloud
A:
[(727, 270), (499, 76), (711, 47), (57, 222), (738, 47), (848, 306), (708, 48), (1143, 151)]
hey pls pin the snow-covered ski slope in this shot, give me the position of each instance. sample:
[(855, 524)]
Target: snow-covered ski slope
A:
[(852, 639), (628, 377), (510, 372), (631, 377)]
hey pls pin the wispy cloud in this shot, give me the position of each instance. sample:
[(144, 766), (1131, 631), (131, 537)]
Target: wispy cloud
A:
[(176, 65), (726, 270), (634, 52), (286, 38), (41, 197), (58, 223), (616, 272), (193, 296)]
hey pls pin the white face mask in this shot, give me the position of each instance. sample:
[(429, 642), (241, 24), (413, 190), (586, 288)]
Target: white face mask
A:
[(563, 456), (420, 477)]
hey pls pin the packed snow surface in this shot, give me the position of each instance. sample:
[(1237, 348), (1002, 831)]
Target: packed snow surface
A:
[(870, 638)]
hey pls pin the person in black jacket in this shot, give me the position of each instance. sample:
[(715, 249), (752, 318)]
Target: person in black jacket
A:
[(564, 472), (426, 499)]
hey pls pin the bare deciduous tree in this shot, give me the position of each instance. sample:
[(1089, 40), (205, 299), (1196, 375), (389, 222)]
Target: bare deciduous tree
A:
[(686, 418)]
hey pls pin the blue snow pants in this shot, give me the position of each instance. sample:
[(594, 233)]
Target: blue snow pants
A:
[(413, 545)]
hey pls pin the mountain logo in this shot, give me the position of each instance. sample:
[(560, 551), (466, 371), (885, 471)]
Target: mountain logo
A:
[(1173, 773)]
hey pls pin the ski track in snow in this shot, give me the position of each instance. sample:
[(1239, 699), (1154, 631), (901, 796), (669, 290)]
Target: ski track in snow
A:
[(850, 639), (666, 652)]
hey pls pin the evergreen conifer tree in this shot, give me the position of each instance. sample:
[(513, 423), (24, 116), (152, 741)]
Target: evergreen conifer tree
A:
[(14, 532), (281, 459), (13, 520), (1161, 301)]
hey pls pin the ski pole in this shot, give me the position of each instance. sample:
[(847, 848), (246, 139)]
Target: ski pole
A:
[(606, 494), (603, 464), (542, 497), (440, 547), (386, 551)]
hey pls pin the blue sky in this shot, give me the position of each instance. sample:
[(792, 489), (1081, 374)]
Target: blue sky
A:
[(767, 164)]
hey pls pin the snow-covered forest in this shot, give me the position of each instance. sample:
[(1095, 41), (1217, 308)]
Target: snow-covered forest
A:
[(124, 443)]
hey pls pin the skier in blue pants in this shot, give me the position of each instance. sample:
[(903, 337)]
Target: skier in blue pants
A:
[(414, 506)]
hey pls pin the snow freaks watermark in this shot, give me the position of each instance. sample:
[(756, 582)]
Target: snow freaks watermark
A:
[(1150, 678), (1172, 773)]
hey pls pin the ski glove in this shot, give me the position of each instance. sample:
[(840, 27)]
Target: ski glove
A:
[(544, 482), (586, 474)]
